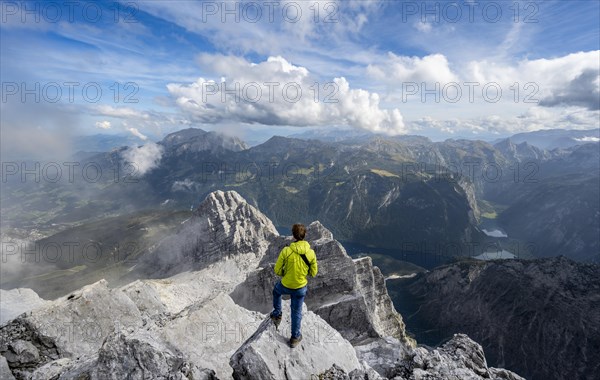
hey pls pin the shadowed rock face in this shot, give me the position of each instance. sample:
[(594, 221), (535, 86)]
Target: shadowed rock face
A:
[(540, 318), (187, 326)]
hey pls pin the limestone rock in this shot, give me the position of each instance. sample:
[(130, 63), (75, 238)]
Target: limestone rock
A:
[(5, 373), (267, 355), (382, 354), (139, 355), (224, 227), (208, 334), (459, 358), (52, 370), (337, 373), (71, 326), (350, 295), (316, 231), (17, 301)]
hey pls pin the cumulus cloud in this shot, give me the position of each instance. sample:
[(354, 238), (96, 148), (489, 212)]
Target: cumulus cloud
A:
[(105, 124), (571, 80), (143, 158), (430, 69), (276, 92), (583, 90)]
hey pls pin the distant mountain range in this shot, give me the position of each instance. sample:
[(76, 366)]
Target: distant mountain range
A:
[(556, 138), (543, 139), (405, 193), (548, 139)]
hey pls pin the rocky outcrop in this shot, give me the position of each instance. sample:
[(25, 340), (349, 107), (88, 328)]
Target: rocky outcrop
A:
[(163, 330), (224, 227), (540, 318), (459, 358), (349, 294), (267, 354), (208, 334), (135, 356), (18, 301), (337, 373), (382, 354), (70, 327)]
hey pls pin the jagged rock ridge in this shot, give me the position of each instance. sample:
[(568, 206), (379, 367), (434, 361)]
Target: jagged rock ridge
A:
[(188, 326)]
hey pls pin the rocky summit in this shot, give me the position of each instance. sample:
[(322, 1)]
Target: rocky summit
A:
[(198, 310)]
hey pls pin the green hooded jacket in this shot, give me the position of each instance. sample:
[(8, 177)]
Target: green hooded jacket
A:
[(292, 267)]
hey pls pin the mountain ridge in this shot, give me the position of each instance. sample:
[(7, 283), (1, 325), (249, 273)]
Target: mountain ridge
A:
[(156, 328), (508, 304)]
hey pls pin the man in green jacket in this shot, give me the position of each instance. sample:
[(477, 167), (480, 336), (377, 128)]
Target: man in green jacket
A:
[(295, 262)]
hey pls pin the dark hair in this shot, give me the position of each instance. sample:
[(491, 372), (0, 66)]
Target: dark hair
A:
[(299, 231)]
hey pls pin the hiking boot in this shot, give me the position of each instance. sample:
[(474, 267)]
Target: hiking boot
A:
[(276, 320), (295, 341)]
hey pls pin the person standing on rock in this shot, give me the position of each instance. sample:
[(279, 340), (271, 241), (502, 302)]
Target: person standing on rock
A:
[(295, 262)]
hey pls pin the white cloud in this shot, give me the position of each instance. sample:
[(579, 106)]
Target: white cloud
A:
[(535, 118), (135, 132), (573, 79), (276, 92), (399, 69), (105, 124), (143, 158), (270, 28), (588, 139), (558, 80)]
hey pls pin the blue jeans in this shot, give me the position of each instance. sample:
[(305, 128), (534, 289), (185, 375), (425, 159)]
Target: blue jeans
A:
[(297, 296)]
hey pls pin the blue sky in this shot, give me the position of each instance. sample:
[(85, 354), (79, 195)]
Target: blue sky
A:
[(162, 66)]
